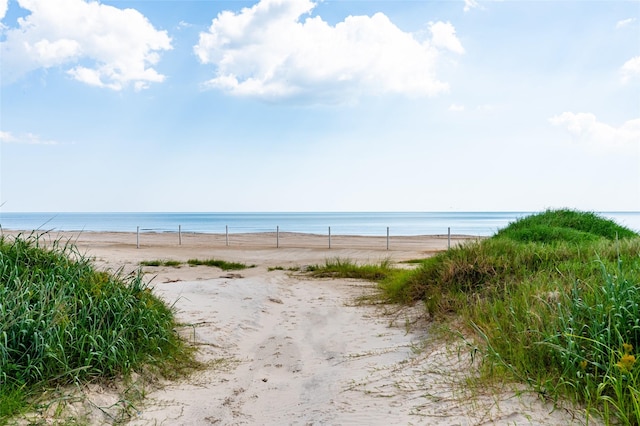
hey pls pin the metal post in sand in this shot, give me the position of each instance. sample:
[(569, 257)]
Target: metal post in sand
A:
[(387, 238)]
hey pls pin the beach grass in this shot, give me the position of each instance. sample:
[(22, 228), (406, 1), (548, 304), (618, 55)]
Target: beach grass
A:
[(64, 322), (346, 268), (282, 268), (552, 301), (161, 262), (222, 264)]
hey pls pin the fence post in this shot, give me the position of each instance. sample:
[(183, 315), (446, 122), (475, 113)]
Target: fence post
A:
[(387, 238), (277, 236), (137, 236), (226, 234), (329, 237), (179, 235), (448, 238)]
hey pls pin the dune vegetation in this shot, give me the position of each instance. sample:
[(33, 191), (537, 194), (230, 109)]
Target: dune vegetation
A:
[(221, 264), (64, 322), (552, 301)]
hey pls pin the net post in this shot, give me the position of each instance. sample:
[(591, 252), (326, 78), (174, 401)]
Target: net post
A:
[(387, 238)]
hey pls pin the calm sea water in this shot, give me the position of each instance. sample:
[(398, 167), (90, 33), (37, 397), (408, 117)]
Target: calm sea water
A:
[(351, 223)]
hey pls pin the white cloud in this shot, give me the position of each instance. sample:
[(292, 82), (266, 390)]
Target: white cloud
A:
[(27, 139), (4, 4), (470, 4), (270, 52), (456, 108), (586, 128), (630, 69), (444, 36), (98, 44), (625, 22), (7, 137)]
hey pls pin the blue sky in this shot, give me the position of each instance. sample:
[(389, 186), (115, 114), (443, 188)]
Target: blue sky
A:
[(300, 105)]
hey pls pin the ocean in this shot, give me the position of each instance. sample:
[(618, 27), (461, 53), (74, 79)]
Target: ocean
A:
[(344, 223)]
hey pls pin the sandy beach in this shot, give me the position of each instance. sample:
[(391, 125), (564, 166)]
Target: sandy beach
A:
[(285, 349)]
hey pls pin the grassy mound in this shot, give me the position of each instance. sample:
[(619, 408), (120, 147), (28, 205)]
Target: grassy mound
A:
[(564, 226), (63, 321), (553, 300), (560, 242)]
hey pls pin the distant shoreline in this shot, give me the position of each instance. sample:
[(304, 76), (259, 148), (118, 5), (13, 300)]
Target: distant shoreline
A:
[(244, 235), (481, 224), (129, 248)]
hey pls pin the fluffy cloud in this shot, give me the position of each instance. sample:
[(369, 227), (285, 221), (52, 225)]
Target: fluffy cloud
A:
[(98, 44), (630, 69), (586, 127), (276, 50), (444, 36)]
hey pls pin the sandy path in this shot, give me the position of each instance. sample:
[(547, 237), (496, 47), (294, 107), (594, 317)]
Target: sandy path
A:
[(300, 355), (285, 349), (300, 352)]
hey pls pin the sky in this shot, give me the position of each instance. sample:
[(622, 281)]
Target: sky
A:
[(310, 105)]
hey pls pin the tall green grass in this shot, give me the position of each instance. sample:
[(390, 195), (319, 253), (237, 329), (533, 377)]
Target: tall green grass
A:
[(599, 340), (63, 321)]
